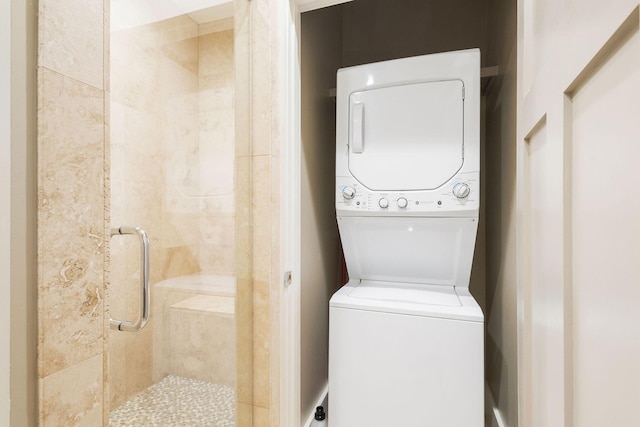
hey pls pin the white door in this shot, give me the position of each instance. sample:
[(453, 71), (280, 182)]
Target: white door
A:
[(579, 205)]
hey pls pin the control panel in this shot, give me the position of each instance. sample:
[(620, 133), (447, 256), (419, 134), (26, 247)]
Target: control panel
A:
[(459, 195)]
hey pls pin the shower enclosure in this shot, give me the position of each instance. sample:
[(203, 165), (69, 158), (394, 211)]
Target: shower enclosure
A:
[(172, 155)]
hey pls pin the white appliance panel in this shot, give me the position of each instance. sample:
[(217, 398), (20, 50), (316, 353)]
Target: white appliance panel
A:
[(388, 369), (407, 137), (434, 251)]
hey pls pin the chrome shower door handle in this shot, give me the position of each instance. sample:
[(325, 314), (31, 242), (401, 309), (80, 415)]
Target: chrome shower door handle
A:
[(145, 294)]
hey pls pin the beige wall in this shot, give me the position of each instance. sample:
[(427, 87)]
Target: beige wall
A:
[(321, 49), (500, 208)]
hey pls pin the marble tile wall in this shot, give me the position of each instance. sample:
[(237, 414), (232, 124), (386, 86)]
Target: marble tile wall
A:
[(71, 213)]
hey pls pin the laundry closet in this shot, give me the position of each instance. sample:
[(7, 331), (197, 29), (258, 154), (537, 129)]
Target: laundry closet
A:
[(361, 32)]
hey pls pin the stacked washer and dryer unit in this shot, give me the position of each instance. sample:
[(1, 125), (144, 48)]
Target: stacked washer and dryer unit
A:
[(406, 346)]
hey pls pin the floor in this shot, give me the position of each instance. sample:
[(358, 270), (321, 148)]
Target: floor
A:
[(178, 402)]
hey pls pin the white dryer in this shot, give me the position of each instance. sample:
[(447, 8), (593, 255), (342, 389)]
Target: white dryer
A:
[(406, 344)]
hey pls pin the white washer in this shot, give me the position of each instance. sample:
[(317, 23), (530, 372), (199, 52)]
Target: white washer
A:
[(406, 338)]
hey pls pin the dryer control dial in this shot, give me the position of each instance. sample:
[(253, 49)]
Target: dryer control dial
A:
[(461, 190), (383, 203), (348, 192), (402, 202)]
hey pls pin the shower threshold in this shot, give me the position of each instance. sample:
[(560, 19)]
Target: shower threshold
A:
[(178, 402)]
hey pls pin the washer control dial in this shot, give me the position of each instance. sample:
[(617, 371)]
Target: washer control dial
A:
[(461, 190), (402, 202), (383, 203), (348, 192)]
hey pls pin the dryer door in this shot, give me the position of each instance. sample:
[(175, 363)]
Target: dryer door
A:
[(407, 137)]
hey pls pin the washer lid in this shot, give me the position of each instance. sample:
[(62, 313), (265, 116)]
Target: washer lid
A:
[(406, 292), (407, 137), (408, 299)]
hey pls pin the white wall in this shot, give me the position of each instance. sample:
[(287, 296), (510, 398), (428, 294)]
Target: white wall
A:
[(5, 209)]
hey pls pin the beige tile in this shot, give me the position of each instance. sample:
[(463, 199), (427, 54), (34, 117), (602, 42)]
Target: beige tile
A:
[(243, 219), (261, 344), (179, 28), (71, 39), (244, 415), (242, 83), (244, 343), (261, 203), (202, 343), (70, 221), (261, 417), (73, 396), (225, 24), (262, 96), (216, 52), (209, 304)]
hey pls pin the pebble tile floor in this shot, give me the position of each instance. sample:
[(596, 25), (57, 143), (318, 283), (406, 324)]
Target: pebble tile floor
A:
[(178, 402)]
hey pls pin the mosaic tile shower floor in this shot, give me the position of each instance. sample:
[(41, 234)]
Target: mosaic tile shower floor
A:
[(178, 402)]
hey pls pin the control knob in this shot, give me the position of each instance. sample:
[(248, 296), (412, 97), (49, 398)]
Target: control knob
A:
[(348, 192), (383, 203), (461, 190), (402, 202)]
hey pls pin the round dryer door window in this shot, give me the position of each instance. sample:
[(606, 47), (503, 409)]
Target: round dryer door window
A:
[(407, 137)]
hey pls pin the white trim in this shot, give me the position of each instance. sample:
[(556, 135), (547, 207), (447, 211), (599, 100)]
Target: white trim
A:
[(322, 401), (290, 218), (5, 211)]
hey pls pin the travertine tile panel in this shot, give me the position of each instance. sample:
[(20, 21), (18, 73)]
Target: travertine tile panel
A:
[(261, 344), (216, 60), (261, 203), (244, 414), (262, 96), (244, 333), (202, 343), (71, 39), (73, 396), (216, 26), (261, 417), (243, 219), (179, 28), (70, 221)]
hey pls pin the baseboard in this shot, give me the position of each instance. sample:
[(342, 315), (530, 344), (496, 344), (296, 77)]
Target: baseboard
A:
[(322, 401), (493, 416)]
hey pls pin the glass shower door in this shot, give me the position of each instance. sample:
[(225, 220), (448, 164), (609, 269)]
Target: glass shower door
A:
[(172, 136)]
